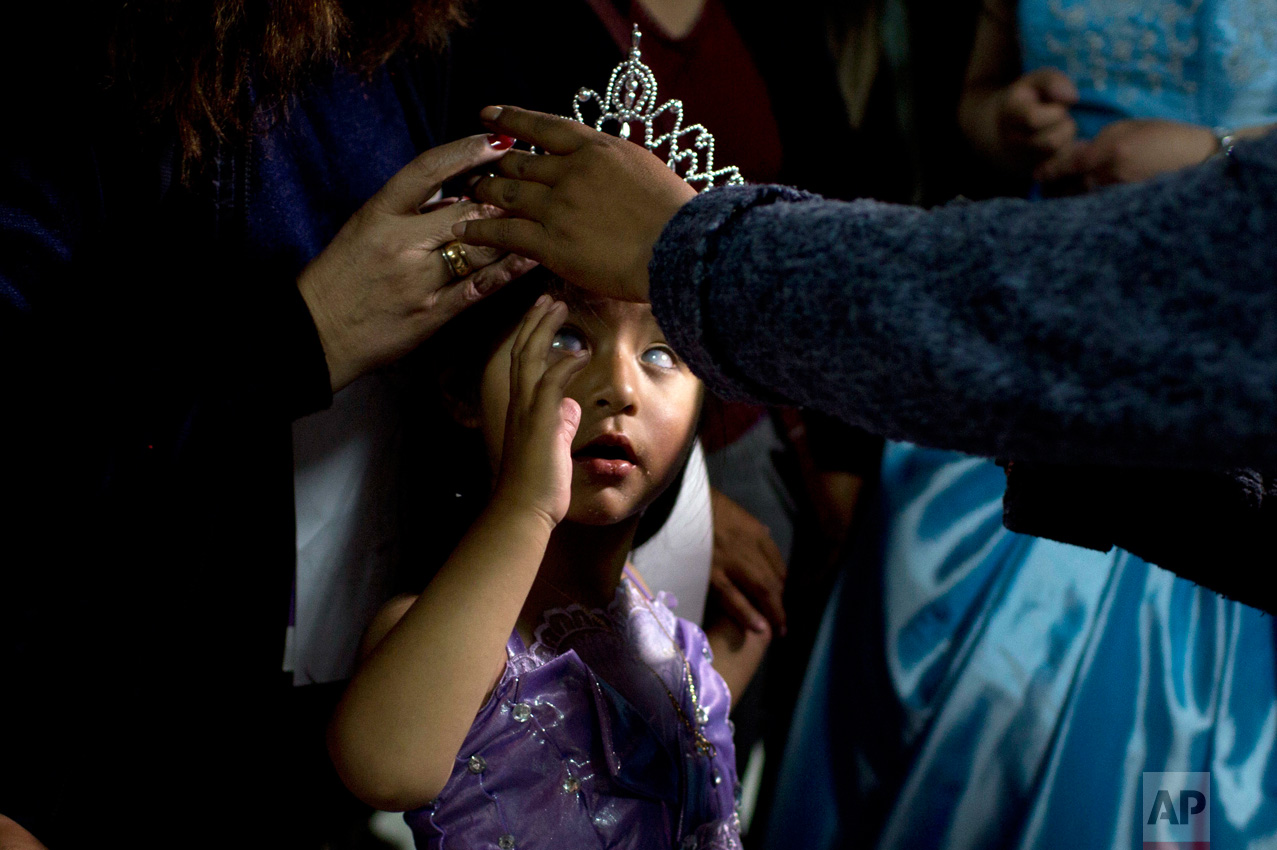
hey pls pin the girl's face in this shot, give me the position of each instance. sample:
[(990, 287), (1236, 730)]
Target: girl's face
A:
[(639, 405)]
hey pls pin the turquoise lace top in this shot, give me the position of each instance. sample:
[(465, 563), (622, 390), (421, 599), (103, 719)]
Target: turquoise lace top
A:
[(1207, 62)]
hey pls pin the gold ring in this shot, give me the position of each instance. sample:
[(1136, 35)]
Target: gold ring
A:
[(454, 254)]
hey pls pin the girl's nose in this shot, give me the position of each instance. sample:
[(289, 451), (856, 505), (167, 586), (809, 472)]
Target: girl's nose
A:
[(612, 383)]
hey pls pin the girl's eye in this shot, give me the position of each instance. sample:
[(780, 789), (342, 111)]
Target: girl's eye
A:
[(660, 356), (568, 339)]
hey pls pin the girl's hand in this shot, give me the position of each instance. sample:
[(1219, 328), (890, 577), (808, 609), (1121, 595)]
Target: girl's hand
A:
[(1133, 150), (381, 287), (536, 459), (590, 208)]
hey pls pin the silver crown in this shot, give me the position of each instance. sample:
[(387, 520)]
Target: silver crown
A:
[(631, 99)]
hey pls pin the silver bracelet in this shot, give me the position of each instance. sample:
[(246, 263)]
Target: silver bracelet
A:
[(1224, 139)]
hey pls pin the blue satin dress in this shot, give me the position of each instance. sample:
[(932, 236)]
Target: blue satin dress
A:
[(1010, 691)]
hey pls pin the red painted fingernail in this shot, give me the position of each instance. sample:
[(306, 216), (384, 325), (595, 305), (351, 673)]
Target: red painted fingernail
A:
[(499, 141), (490, 113)]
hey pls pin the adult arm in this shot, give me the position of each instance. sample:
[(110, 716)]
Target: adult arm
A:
[(1136, 149), (1132, 327), (14, 837)]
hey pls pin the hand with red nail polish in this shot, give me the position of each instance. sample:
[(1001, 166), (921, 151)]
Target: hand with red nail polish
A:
[(383, 285)]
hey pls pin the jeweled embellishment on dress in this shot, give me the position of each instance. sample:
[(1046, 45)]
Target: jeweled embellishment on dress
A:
[(1126, 45)]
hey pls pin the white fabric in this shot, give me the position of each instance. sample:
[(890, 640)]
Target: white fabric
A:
[(677, 558), (345, 460)]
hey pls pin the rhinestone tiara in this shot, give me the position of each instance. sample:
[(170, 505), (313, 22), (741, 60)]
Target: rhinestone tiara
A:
[(630, 100)]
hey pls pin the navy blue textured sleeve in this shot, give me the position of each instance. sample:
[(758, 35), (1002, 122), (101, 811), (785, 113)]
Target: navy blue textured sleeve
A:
[(1133, 326)]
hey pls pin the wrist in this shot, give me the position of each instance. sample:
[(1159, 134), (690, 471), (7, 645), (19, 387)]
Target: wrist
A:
[(341, 368), (509, 507), (1225, 138)]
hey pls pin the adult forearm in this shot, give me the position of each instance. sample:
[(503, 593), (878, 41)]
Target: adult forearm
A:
[(14, 837), (1134, 326)]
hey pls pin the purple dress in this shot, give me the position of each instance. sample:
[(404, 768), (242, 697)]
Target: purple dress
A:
[(581, 743)]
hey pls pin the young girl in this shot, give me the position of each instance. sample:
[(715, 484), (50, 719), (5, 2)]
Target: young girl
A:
[(536, 694)]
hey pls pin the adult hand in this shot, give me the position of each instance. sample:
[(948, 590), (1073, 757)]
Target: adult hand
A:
[(747, 569), (1031, 118), (590, 208), (1133, 150), (381, 287)]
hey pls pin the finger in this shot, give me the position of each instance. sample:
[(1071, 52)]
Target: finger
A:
[(1041, 116), (475, 256), (491, 278), (537, 168), (536, 352), (738, 607), (522, 198), (434, 228), (557, 376), (1020, 99), (418, 181), (431, 206), (1091, 159), (537, 349), (516, 235), (764, 589), (548, 132), (530, 320), (1051, 140), (553, 384), (478, 257), (480, 284), (1063, 164), (1054, 86), (774, 557), (570, 415)]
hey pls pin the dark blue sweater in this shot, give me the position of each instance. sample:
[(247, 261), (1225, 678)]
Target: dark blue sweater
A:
[(1127, 340)]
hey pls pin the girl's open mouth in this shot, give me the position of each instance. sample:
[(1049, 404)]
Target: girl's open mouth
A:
[(608, 455)]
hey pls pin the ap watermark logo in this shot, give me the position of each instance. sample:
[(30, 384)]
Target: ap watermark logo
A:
[(1176, 813)]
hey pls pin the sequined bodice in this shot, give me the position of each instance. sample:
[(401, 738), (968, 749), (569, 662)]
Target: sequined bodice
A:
[(1207, 62), (567, 753)]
